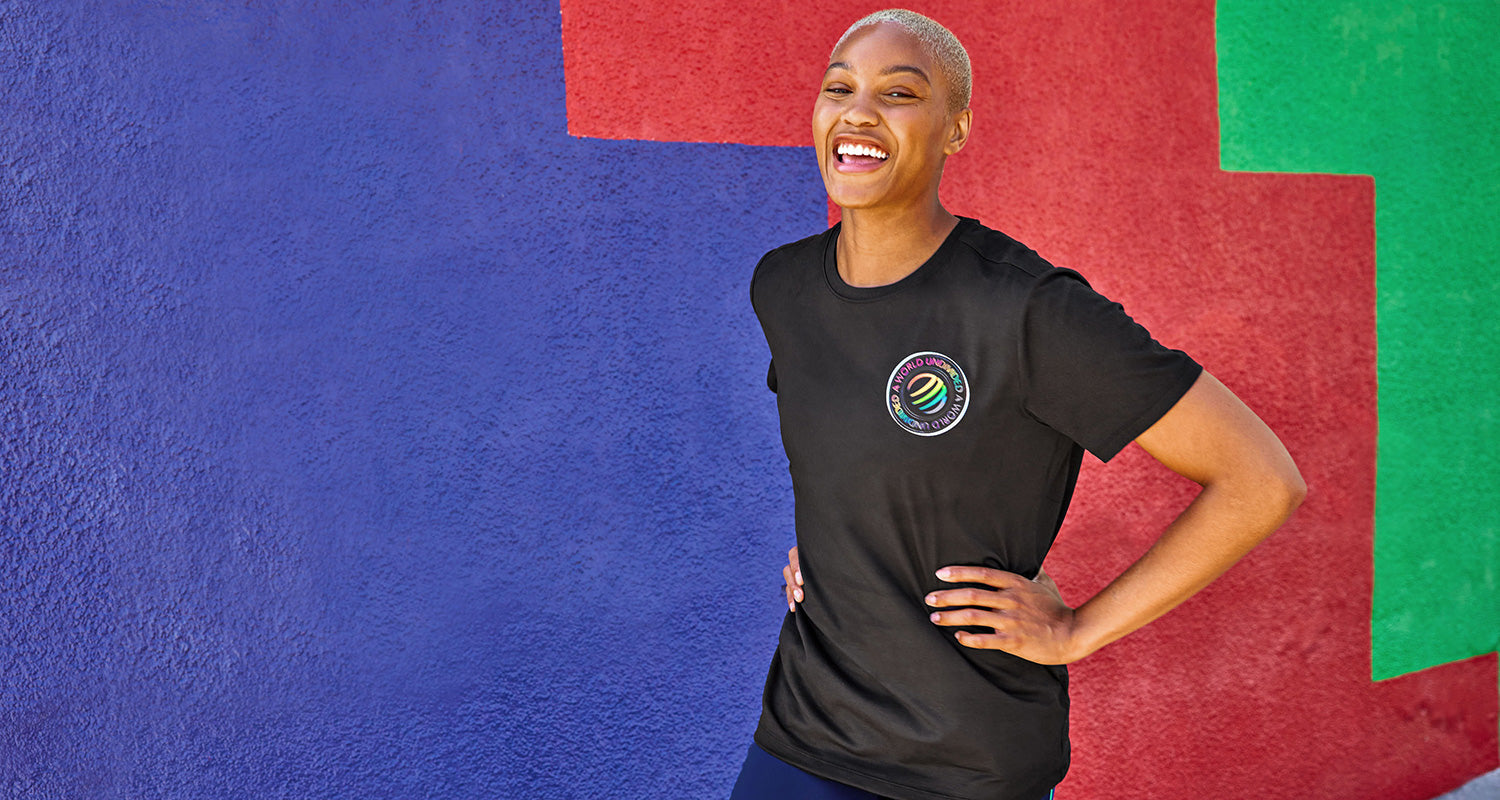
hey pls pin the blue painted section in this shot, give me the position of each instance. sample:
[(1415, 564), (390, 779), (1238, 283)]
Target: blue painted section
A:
[(1484, 787), (364, 435)]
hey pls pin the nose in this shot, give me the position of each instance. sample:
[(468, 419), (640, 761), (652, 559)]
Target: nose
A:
[(859, 110)]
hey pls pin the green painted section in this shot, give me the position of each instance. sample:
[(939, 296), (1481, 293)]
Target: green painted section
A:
[(1409, 94)]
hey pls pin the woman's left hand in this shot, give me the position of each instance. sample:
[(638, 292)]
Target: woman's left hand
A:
[(1029, 618)]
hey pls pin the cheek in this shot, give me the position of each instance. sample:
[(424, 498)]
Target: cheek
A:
[(822, 123), (922, 140), (823, 115)]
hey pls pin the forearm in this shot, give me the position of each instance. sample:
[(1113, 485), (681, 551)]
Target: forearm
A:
[(1250, 486), (1221, 525)]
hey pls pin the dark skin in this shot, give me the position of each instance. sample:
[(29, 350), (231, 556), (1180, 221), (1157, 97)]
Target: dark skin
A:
[(882, 90)]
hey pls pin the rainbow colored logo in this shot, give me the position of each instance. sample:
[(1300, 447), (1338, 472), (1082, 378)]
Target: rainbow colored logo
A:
[(927, 393)]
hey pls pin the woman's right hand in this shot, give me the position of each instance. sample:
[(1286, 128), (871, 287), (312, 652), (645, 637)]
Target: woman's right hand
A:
[(792, 573)]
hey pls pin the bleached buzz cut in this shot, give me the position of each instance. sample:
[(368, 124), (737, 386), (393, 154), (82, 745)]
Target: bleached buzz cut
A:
[(944, 48)]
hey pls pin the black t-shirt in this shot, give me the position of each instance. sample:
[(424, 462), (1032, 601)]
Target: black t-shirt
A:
[(937, 420)]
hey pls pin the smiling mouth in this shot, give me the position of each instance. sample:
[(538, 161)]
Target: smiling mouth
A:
[(861, 154)]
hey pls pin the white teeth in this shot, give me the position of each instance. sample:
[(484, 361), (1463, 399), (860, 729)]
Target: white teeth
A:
[(847, 149)]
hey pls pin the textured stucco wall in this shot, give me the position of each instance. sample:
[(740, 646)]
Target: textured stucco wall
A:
[(365, 435), (382, 418), (1407, 93)]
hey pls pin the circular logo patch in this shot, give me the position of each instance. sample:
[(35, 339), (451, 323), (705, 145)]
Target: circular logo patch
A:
[(927, 393)]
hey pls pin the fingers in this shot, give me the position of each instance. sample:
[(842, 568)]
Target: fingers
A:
[(969, 616), (998, 578), (792, 574), (971, 597), (786, 575), (983, 641)]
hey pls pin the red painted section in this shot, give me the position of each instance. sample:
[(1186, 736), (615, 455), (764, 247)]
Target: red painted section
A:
[(1096, 143)]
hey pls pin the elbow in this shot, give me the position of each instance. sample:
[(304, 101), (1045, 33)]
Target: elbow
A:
[(1296, 492), (1288, 489), (1273, 487)]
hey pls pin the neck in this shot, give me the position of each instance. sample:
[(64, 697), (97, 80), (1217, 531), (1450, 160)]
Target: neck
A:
[(878, 246)]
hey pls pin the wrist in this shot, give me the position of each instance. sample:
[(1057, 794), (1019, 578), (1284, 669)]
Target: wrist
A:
[(1083, 638)]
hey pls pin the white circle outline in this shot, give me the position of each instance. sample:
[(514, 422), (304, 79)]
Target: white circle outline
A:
[(892, 411)]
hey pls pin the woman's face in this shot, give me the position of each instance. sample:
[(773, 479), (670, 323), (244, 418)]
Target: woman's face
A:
[(882, 125)]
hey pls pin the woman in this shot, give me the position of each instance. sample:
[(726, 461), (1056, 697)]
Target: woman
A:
[(937, 383)]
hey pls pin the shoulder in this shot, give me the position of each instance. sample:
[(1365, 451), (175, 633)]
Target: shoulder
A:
[(800, 251), (995, 257), (793, 260)]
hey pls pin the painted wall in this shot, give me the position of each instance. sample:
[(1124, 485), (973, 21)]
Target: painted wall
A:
[(383, 412), (1405, 93)]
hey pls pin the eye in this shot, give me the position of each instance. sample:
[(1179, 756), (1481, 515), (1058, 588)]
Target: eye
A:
[(901, 93), (836, 90)]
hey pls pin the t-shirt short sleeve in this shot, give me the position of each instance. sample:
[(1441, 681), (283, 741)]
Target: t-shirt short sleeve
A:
[(1091, 372), (771, 367)]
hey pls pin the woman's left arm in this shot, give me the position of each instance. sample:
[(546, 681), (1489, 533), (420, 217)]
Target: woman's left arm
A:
[(1250, 486)]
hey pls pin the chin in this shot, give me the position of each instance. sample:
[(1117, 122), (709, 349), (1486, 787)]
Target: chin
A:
[(849, 198), (855, 205)]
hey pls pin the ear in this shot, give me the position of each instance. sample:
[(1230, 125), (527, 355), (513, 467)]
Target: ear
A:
[(958, 132)]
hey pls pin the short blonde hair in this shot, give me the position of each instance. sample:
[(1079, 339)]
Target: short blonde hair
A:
[(944, 48)]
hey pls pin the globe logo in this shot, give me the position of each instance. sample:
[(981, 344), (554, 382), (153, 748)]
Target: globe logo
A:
[(927, 393)]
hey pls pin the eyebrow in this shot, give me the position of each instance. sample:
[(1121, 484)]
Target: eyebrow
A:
[(891, 70)]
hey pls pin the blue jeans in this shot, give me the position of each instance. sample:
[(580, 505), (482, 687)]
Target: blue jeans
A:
[(766, 777)]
